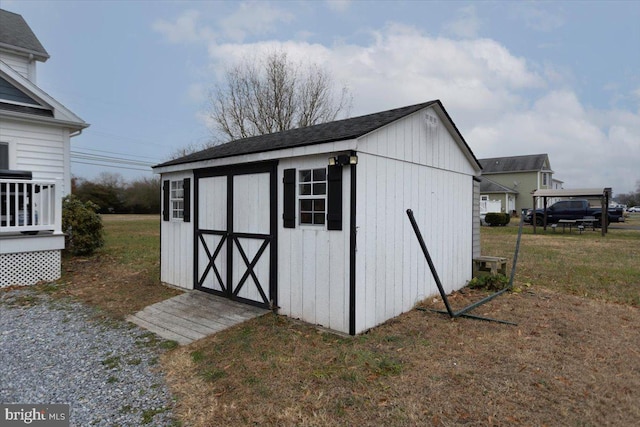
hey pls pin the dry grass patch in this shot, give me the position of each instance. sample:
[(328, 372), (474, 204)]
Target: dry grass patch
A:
[(573, 359), (123, 277), (570, 361)]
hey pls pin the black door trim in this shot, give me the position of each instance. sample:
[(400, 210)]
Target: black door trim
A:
[(232, 238)]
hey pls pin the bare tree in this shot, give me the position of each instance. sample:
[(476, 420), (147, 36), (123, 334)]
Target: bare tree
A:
[(271, 94)]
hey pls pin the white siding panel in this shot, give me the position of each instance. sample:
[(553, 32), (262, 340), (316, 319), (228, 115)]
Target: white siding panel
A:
[(313, 263), (251, 203), (476, 219), (212, 203), (392, 273), (323, 279), (309, 284), (41, 149), (176, 241), (420, 138), (18, 62)]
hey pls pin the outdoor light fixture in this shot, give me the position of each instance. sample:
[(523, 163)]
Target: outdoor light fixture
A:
[(343, 159)]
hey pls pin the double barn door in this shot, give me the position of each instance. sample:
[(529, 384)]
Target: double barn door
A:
[(235, 233)]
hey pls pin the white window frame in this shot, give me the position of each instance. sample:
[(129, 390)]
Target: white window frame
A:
[(312, 196), (176, 200)]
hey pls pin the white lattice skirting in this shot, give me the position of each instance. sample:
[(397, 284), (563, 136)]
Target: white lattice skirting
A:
[(29, 268)]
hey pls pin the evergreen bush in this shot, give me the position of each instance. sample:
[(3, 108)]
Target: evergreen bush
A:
[(82, 225), (497, 218)]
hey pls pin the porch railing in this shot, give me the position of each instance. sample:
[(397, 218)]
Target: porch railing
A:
[(30, 206)]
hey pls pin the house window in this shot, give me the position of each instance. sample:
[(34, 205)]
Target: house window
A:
[(177, 200), (312, 196), (544, 178), (4, 155)]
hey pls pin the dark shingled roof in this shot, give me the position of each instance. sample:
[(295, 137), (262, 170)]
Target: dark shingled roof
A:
[(16, 34), (532, 162), (488, 186), (327, 132)]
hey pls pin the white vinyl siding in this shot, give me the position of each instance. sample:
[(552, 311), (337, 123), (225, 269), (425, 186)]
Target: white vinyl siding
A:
[(392, 274), (476, 219), (414, 163), (21, 64), (417, 139), (41, 149), (176, 259), (313, 263)]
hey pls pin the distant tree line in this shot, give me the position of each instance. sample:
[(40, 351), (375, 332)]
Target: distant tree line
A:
[(630, 199), (112, 194)]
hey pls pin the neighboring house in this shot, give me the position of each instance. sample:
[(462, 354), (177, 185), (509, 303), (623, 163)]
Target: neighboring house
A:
[(35, 173), (312, 222), (495, 197), (510, 180)]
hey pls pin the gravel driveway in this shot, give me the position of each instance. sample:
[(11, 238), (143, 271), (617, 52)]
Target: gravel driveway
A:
[(58, 351)]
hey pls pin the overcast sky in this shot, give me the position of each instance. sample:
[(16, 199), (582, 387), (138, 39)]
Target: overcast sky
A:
[(517, 78)]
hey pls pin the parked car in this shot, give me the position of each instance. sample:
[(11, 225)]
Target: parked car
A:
[(634, 209)]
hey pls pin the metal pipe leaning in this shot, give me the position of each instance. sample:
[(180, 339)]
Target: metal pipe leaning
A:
[(463, 311)]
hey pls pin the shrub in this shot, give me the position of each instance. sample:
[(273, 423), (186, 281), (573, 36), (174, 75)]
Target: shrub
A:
[(82, 225), (489, 282), (497, 218)]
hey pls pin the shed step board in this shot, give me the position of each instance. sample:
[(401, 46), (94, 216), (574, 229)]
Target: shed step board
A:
[(206, 300), (215, 303), (169, 323), (160, 331), (205, 315), (177, 317), (193, 315)]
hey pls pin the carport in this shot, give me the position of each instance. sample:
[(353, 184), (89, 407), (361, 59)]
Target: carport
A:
[(604, 194)]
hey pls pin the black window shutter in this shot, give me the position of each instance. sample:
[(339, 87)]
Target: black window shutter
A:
[(186, 191), (289, 212), (165, 200), (334, 198)]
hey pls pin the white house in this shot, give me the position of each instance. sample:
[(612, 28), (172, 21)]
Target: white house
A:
[(312, 222), (35, 172)]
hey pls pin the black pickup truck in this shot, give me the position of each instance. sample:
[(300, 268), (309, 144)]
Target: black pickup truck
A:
[(574, 210)]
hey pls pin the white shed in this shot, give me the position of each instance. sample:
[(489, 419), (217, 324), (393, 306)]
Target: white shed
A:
[(311, 222)]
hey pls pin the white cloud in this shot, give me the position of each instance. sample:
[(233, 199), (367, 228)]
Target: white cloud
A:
[(185, 29), (587, 148), (501, 103), (254, 18)]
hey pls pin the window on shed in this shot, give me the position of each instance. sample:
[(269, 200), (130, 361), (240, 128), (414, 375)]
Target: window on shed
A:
[(312, 196), (177, 200), (4, 155)]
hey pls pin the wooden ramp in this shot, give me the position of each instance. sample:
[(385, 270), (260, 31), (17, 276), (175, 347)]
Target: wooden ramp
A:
[(193, 315)]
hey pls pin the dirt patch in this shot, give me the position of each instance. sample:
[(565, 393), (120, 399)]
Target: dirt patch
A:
[(569, 361)]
